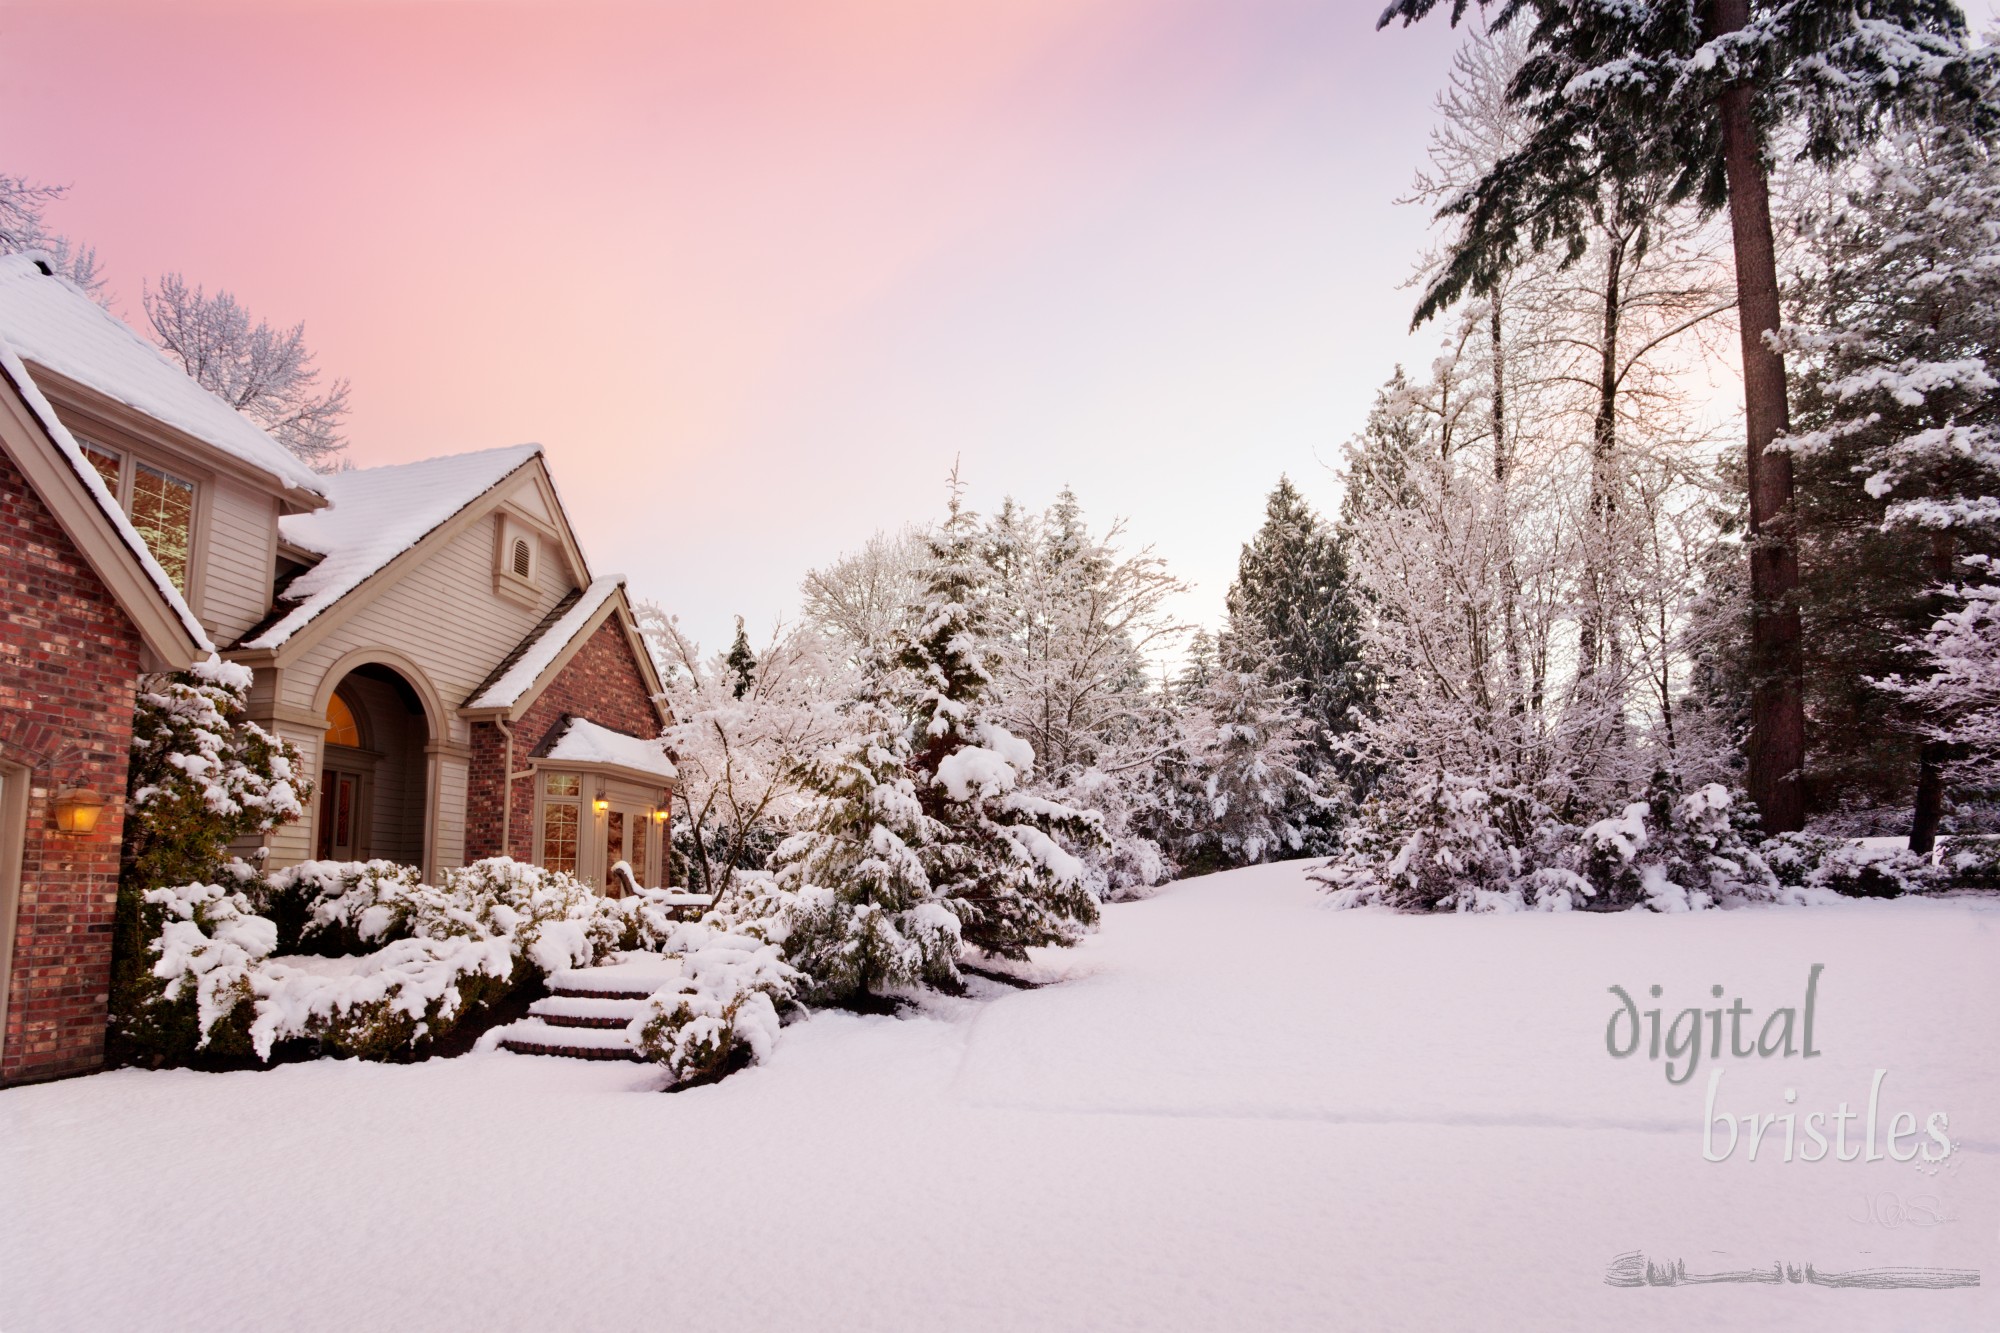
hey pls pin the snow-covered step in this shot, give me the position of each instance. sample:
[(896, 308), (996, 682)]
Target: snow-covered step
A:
[(532, 1036), (632, 980), (586, 1011)]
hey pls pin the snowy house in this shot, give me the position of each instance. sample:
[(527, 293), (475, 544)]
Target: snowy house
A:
[(428, 634)]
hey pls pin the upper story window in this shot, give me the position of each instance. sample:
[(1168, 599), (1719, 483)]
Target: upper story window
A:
[(160, 505)]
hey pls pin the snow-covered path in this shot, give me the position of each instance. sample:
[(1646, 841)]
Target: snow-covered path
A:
[(1238, 1110)]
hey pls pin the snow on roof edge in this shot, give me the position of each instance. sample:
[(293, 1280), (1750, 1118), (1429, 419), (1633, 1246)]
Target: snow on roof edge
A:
[(519, 678), (31, 394), (587, 742), (346, 570), (71, 335)]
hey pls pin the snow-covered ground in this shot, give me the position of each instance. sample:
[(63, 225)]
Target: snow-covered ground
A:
[(1238, 1110)]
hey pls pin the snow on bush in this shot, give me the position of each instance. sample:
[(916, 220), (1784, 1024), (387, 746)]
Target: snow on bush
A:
[(399, 962), (380, 1005), (726, 1000), (206, 943), (1478, 850)]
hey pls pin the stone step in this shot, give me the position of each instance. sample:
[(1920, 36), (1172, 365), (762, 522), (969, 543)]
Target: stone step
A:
[(633, 981), (531, 1036), (586, 1011)]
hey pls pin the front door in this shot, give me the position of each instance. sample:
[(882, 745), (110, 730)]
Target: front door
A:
[(339, 815), (624, 840)]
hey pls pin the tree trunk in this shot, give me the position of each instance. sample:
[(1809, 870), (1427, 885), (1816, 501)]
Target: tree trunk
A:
[(1930, 797), (1603, 449), (1777, 699), (1929, 811), (1503, 466)]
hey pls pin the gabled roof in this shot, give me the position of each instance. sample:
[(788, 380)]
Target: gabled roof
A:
[(53, 324), (522, 674), (377, 514), (576, 740), (55, 467)]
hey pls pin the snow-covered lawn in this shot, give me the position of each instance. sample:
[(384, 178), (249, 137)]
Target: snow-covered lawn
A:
[(1238, 1110)]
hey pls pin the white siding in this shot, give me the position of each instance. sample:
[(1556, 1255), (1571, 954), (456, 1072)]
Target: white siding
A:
[(444, 617), (239, 551), (453, 778)]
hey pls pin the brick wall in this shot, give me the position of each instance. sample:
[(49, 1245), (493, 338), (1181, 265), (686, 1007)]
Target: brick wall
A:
[(69, 661), (601, 683)]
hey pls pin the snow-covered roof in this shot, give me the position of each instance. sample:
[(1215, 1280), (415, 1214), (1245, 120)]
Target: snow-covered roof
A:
[(114, 514), (377, 514), (53, 323), (518, 674), (584, 742)]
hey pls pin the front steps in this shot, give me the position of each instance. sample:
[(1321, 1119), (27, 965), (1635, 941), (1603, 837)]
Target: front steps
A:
[(587, 1011)]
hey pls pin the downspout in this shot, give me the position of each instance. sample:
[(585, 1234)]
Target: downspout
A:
[(507, 777)]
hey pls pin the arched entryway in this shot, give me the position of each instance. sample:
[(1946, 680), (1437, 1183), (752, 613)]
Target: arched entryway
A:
[(374, 779)]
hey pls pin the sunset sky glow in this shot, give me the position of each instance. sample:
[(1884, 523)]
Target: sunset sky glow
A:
[(756, 271)]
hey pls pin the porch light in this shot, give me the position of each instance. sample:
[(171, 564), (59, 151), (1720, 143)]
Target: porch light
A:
[(600, 805), (77, 809), (659, 816)]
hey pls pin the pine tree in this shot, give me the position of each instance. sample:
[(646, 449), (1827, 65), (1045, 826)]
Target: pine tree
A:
[(1693, 96), (1248, 796), (860, 913), (1294, 601), (1900, 308), (995, 861), (741, 663)]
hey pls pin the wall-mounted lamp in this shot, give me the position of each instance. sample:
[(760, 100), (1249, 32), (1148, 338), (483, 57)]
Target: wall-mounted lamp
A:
[(659, 816), (77, 809), (600, 805)]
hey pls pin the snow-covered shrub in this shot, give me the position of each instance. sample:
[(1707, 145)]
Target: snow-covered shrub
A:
[(1972, 863), (1674, 852), (336, 908), (1463, 850), (380, 1006), (194, 994), (726, 1000), (1476, 850), (405, 961)]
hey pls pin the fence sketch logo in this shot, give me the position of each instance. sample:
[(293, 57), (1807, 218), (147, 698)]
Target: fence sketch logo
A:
[(1633, 1269)]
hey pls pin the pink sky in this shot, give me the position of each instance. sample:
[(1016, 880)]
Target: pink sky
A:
[(755, 271)]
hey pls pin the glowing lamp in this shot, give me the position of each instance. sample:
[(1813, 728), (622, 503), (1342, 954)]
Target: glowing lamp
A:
[(77, 809), (659, 816), (600, 805)]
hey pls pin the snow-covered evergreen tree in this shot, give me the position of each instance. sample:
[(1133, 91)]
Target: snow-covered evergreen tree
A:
[(1241, 790), (1898, 350), (996, 861), (740, 662), (860, 916), (1294, 603)]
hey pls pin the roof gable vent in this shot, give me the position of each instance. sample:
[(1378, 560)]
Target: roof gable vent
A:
[(517, 561)]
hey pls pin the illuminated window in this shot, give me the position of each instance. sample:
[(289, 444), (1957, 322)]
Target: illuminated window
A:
[(559, 826), (163, 512), (106, 462), (341, 728), (563, 784)]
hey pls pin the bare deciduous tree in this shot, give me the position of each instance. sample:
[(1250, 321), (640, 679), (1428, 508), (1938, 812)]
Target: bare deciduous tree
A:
[(263, 372)]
